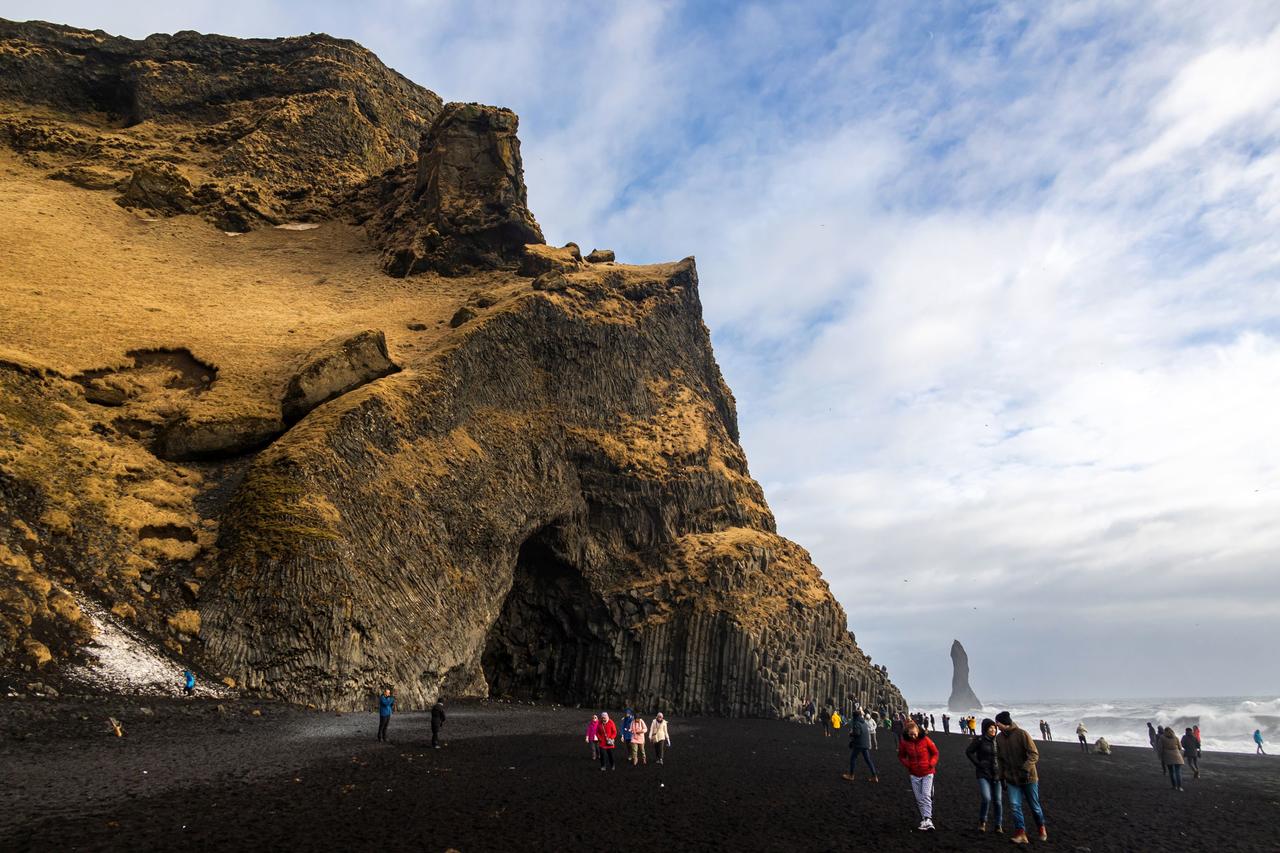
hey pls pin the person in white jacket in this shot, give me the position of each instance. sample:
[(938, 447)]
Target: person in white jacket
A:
[(659, 736)]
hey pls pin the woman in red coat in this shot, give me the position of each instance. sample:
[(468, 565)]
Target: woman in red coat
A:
[(920, 756), (608, 734)]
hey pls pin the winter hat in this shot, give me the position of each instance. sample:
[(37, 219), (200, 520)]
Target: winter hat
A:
[(1004, 719), (986, 723)]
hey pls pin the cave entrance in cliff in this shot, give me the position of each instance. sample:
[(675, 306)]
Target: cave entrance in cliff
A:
[(545, 643)]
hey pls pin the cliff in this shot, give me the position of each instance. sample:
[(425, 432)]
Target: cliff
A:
[(394, 439)]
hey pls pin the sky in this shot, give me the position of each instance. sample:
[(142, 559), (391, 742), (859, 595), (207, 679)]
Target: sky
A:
[(996, 285)]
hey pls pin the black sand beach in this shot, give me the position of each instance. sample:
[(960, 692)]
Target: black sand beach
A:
[(519, 777)]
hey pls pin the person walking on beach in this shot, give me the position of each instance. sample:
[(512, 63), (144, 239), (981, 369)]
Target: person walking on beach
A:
[(660, 736), (1017, 755), (1151, 734), (946, 724), (638, 730), (437, 722), (1081, 732), (933, 725), (1257, 739), (919, 755), (809, 710), (981, 752), (625, 730), (860, 746), (1196, 730), (188, 682), (608, 740), (593, 736), (896, 728), (386, 704), (873, 728), (1048, 730), (836, 722), (1171, 757), (824, 717), (973, 726), (1191, 752)]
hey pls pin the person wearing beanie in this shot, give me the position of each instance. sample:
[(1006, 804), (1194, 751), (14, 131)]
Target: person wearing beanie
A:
[(608, 734), (982, 753), (860, 746), (919, 755), (1016, 755)]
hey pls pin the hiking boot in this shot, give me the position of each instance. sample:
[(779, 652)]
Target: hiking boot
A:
[(848, 777), (982, 826), (1044, 834), (999, 829), (1019, 837)]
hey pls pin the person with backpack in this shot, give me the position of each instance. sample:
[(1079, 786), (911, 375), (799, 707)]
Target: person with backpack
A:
[(608, 740), (981, 752), (919, 755), (437, 722), (386, 704), (1017, 755), (860, 746), (593, 736), (824, 717), (188, 682), (1191, 752), (660, 737)]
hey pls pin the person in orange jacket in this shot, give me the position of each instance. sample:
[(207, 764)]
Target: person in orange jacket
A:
[(919, 755), (608, 733)]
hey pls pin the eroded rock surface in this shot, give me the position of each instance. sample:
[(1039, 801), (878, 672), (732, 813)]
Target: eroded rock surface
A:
[(547, 501), (962, 696)]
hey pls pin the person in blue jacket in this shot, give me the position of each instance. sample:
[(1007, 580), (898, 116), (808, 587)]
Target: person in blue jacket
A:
[(386, 704), (188, 682), (625, 727)]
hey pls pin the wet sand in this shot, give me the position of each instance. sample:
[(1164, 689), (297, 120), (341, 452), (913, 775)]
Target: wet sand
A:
[(519, 777)]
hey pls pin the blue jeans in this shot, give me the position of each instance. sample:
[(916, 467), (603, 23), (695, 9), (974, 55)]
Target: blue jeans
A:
[(866, 755), (1175, 775), (1031, 791), (991, 800)]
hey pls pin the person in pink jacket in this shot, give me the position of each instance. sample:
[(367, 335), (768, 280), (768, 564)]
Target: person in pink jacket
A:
[(593, 736), (638, 729)]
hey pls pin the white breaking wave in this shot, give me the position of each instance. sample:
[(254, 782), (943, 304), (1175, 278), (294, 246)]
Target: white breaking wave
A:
[(1226, 723)]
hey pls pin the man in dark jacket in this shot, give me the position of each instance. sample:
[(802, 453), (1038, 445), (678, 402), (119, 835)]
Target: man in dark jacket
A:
[(1191, 750), (982, 752), (386, 704), (437, 722), (1016, 756), (860, 745)]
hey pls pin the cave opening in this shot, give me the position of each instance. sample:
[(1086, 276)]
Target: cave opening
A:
[(549, 638)]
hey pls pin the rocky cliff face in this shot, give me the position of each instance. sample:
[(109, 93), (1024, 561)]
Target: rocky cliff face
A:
[(503, 471)]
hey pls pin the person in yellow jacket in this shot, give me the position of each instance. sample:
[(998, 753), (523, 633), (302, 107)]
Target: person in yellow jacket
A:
[(835, 719)]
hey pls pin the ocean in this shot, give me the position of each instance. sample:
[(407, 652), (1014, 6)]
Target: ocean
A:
[(1226, 722)]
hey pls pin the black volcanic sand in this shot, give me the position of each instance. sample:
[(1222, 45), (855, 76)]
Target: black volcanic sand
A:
[(516, 777)]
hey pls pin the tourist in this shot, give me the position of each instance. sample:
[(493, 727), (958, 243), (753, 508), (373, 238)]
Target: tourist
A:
[(1081, 731), (860, 746), (608, 740), (1164, 768), (1196, 729), (1048, 730), (188, 682), (437, 722), (873, 728), (1171, 757), (1257, 739), (1102, 747), (593, 736), (982, 753), (638, 730), (1017, 755), (660, 737), (836, 721), (824, 717), (946, 724), (973, 726), (809, 710), (1044, 730), (1151, 734), (386, 703), (896, 728), (1191, 752), (625, 729), (933, 725), (919, 755)]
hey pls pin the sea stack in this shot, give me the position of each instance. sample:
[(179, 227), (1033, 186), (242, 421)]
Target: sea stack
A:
[(962, 695)]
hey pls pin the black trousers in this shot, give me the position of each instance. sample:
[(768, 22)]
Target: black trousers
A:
[(435, 736), (382, 727), (606, 753)]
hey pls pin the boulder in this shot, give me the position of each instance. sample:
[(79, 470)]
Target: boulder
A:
[(962, 695), (551, 281), (538, 259), (160, 187), (600, 256), (189, 440), (462, 315), (334, 368)]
